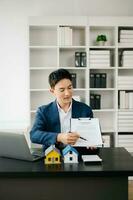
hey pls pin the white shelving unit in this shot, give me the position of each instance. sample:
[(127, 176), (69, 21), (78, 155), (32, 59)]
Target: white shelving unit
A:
[(53, 42)]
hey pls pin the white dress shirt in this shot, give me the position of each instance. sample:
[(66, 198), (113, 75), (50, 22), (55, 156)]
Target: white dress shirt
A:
[(65, 118)]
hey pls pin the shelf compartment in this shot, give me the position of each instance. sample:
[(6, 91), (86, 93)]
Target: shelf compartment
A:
[(71, 35), (39, 79), (43, 35), (125, 58), (67, 56), (126, 140), (79, 78), (40, 98), (109, 31), (125, 36), (125, 79), (80, 95), (78, 35), (125, 120), (46, 57), (107, 99), (110, 77), (107, 120), (102, 57)]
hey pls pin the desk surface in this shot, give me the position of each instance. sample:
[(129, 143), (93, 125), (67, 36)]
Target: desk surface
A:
[(116, 162)]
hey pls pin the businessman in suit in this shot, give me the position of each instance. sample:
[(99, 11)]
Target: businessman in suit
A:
[(52, 122)]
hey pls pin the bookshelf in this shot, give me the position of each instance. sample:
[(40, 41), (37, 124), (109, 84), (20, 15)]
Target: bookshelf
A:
[(70, 43)]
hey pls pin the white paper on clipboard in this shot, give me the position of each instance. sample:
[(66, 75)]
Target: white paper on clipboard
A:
[(88, 129)]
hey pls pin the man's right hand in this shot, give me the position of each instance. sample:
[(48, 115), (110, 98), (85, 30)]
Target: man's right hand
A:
[(68, 138)]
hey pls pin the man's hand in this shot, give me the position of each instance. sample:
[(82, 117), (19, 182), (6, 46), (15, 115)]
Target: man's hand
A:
[(94, 148), (91, 148), (68, 138)]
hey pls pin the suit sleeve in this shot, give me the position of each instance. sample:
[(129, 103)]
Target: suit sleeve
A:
[(38, 133)]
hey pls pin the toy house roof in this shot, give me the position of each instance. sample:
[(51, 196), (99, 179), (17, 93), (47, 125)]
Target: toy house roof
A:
[(69, 148), (51, 148)]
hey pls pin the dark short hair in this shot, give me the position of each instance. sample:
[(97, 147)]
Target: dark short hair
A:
[(58, 75)]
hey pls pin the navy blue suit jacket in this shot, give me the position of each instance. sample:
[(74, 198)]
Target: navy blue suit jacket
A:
[(47, 123)]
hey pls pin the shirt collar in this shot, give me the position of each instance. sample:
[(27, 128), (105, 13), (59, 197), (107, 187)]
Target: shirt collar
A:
[(61, 110)]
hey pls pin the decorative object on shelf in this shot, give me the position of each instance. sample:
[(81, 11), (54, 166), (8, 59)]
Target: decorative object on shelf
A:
[(101, 40)]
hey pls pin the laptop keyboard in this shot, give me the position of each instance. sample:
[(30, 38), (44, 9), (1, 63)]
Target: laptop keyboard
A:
[(37, 153)]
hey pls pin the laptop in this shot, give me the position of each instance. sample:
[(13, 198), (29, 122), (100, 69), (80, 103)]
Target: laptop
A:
[(14, 145)]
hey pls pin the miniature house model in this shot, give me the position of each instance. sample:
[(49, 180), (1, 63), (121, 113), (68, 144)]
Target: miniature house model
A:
[(52, 155), (70, 155)]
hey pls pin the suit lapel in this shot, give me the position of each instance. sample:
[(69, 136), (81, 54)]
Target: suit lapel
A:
[(55, 117), (75, 111)]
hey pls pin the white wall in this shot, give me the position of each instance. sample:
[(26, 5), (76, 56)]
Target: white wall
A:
[(14, 74)]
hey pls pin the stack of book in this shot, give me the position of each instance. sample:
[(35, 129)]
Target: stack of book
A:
[(80, 59), (126, 140), (127, 58), (125, 121), (98, 80), (126, 37), (95, 101), (125, 82), (65, 36), (99, 58), (126, 99)]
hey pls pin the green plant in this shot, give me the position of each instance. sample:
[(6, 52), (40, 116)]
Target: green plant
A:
[(101, 38)]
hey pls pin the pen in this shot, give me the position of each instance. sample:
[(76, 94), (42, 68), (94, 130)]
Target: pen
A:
[(83, 138), (80, 137)]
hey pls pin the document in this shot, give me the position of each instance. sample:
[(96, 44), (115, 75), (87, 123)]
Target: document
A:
[(89, 131)]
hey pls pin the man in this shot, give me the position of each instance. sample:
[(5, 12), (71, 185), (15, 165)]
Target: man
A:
[(52, 122)]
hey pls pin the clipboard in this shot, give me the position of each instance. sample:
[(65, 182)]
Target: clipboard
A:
[(89, 131)]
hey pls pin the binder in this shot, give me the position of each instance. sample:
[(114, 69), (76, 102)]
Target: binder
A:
[(83, 59), (103, 80), (97, 101), (92, 80), (92, 101), (74, 79), (77, 59), (80, 59), (97, 80)]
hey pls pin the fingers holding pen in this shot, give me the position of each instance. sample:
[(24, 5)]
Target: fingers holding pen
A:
[(68, 138), (72, 137)]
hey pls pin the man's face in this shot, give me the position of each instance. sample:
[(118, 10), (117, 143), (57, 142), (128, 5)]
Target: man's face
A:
[(63, 92)]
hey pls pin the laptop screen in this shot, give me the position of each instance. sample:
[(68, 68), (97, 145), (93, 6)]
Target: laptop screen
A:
[(14, 145)]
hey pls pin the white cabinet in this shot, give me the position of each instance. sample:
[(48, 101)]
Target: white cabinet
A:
[(104, 73)]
